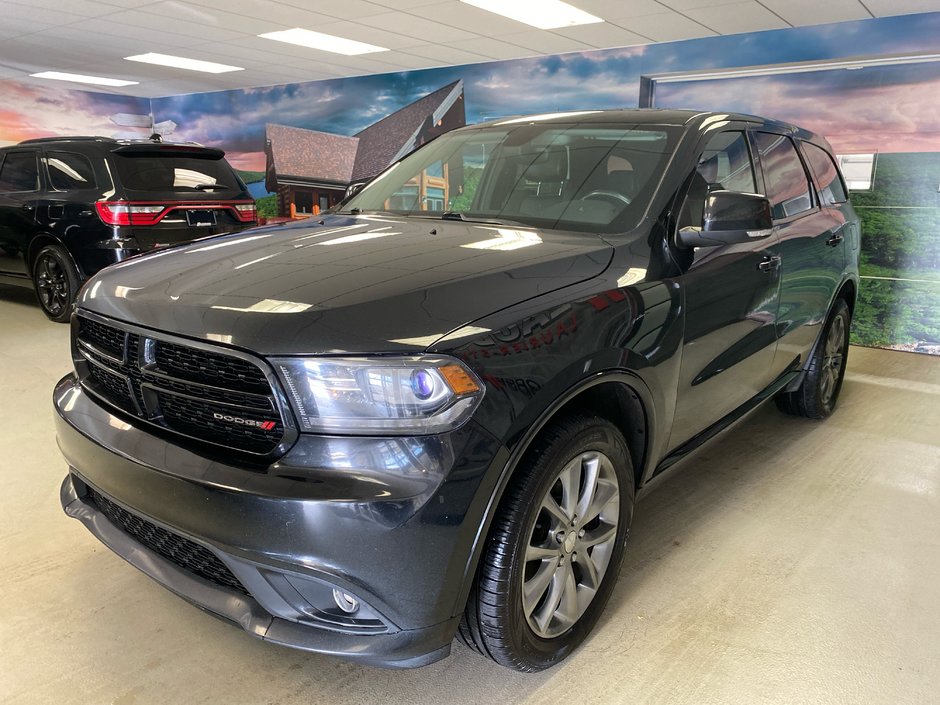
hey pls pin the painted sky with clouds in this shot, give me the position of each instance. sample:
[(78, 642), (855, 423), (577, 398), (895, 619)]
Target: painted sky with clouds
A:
[(873, 109)]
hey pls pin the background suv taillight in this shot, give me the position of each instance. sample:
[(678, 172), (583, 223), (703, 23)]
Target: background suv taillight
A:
[(246, 212), (128, 213)]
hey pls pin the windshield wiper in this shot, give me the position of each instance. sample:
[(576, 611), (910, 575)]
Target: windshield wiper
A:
[(209, 187)]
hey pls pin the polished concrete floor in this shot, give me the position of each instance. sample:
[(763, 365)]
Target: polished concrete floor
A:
[(790, 562)]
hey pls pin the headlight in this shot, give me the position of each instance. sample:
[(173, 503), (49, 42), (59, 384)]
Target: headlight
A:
[(393, 396)]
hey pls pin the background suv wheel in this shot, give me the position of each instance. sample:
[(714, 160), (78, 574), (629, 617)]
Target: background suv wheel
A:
[(555, 548), (56, 281)]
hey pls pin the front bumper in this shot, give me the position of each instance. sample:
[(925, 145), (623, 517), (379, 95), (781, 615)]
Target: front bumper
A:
[(391, 522)]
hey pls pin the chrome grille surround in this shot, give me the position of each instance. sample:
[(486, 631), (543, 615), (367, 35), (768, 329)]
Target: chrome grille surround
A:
[(203, 393)]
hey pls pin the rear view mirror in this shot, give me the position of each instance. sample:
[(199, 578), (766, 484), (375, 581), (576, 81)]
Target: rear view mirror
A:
[(354, 188), (730, 217)]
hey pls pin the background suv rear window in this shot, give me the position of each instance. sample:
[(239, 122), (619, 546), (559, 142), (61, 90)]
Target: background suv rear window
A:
[(827, 176), (172, 173), (68, 171)]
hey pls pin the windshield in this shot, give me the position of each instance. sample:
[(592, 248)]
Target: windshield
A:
[(593, 177)]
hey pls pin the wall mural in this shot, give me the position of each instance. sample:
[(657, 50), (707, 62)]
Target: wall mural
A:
[(891, 112)]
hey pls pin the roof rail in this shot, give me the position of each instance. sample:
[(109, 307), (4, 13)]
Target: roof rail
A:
[(78, 138)]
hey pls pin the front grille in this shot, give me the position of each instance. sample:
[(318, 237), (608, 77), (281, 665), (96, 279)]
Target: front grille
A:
[(187, 554), (205, 396)]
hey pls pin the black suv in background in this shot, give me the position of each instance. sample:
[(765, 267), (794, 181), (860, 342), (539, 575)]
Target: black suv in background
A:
[(430, 411), (72, 205)]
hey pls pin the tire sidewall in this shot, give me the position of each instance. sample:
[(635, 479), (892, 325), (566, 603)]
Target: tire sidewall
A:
[(598, 435)]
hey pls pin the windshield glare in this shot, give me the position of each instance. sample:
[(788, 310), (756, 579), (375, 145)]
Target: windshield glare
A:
[(595, 178)]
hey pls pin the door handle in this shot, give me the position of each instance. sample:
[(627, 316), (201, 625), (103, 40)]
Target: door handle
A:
[(835, 238), (769, 263)]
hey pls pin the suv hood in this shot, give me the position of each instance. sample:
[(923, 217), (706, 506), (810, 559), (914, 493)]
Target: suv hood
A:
[(342, 284)]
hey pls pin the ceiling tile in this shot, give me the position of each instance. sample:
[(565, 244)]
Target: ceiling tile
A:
[(493, 48), (737, 17), (470, 18), (441, 55), (268, 10), (48, 15), (683, 5), (602, 35), (806, 12), (545, 42), (884, 8), (665, 27), (195, 18), (13, 28), (346, 9), (412, 26), (403, 4), (370, 35), (607, 10)]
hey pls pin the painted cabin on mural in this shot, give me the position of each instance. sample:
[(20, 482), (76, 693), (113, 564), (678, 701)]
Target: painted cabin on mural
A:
[(309, 170)]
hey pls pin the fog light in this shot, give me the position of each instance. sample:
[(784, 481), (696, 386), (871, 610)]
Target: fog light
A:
[(345, 601)]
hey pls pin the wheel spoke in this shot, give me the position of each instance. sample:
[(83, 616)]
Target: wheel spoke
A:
[(590, 470), (570, 479), (602, 534), (557, 514), (550, 605), (535, 587), (605, 493), (569, 597), (586, 561)]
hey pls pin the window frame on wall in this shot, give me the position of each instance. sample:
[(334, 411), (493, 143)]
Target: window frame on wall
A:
[(871, 171)]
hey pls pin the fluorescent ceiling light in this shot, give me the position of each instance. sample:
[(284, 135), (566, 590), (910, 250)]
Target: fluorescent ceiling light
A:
[(544, 14), (180, 62), (323, 42), (79, 78)]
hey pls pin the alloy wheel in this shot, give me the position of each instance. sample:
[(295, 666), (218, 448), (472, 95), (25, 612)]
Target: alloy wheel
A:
[(570, 545), (833, 356), (52, 284)]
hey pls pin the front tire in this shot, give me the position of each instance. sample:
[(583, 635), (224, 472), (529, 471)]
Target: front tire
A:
[(555, 548), (56, 281), (817, 395)]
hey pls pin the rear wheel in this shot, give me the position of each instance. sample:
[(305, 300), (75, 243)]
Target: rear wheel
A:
[(817, 396), (56, 281), (555, 549)]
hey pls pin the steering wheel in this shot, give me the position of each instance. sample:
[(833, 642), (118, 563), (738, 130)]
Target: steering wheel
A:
[(608, 195)]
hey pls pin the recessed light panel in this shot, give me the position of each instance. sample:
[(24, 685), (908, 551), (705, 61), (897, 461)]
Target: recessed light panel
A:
[(81, 78), (544, 14), (180, 62), (323, 42)]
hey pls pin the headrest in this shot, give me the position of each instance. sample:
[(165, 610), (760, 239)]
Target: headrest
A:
[(550, 165)]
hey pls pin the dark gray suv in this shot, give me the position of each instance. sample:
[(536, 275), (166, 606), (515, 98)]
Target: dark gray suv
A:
[(430, 412)]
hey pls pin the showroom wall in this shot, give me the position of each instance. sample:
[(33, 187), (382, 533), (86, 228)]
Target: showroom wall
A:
[(892, 112)]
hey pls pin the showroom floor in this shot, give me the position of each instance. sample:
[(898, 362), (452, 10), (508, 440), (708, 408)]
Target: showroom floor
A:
[(791, 562)]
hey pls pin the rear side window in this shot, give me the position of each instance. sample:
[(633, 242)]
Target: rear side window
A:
[(831, 190), (175, 174), (19, 172), (784, 176), (69, 171)]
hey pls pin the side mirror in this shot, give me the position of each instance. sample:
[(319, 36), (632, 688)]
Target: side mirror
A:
[(730, 217), (353, 189)]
